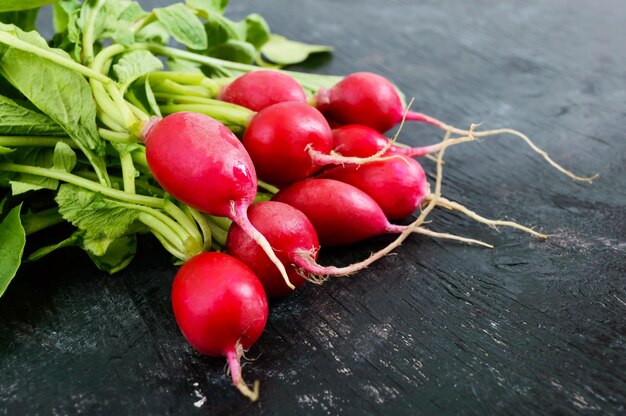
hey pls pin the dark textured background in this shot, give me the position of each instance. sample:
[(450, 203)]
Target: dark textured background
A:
[(529, 327)]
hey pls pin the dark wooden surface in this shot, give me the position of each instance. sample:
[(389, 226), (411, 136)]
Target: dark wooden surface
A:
[(529, 327)]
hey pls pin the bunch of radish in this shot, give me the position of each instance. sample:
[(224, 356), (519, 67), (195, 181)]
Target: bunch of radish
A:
[(264, 166), (273, 245)]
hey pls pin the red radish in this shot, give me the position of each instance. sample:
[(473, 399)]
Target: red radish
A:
[(259, 89), (200, 162), (372, 100), (362, 141), (288, 231), (397, 184), (341, 213), (221, 309), (291, 141), (295, 239)]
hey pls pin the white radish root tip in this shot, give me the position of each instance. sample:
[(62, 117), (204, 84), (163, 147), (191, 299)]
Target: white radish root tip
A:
[(234, 357)]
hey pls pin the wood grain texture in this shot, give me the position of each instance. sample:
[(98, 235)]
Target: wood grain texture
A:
[(529, 327)]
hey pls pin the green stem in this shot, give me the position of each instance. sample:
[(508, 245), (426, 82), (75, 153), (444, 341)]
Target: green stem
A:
[(202, 223), (220, 113), (167, 237), (16, 43), (85, 183), (312, 82), (35, 141), (88, 31), (218, 233), (185, 222), (128, 172), (116, 137)]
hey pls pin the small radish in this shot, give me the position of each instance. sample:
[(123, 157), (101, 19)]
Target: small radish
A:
[(221, 309), (288, 230), (259, 89), (363, 141), (291, 141), (397, 184), (372, 100), (343, 214), (200, 162)]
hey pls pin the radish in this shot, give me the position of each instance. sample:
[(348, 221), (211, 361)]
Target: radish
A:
[(200, 162), (397, 184), (288, 230), (372, 100), (363, 141), (259, 89), (291, 141), (221, 309), (343, 214)]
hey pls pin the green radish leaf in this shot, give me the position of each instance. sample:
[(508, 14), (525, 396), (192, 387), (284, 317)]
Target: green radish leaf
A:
[(35, 156), (60, 93), (183, 25), (16, 120), (102, 220), (24, 19), (135, 64), (5, 150), (283, 51), (36, 221), (154, 32), (208, 6), (256, 29), (235, 51), (12, 242), (220, 30), (119, 254), (73, 240), (16, 5), (63, 157), (114, 19)]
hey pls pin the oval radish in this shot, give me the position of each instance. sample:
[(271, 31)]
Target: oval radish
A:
[(343, 214), (397, 184), (259, 89), (288, 231), (200, 162), (221, 309)]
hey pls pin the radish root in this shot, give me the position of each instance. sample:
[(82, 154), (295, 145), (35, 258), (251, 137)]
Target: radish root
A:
[(413, 116), (455, 206), (234, 364)]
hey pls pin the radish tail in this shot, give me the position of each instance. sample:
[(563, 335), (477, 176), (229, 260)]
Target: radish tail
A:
[(394, 229), (240, 217), (414, 116), (233, 356), (455, 206), (427, 150)]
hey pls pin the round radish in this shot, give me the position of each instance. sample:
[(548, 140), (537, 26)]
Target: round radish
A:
[(368, 99), (397, 184), (290, 141), (221, 309), (362, 141), (288, 230), (200, 162), (259, 89)]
